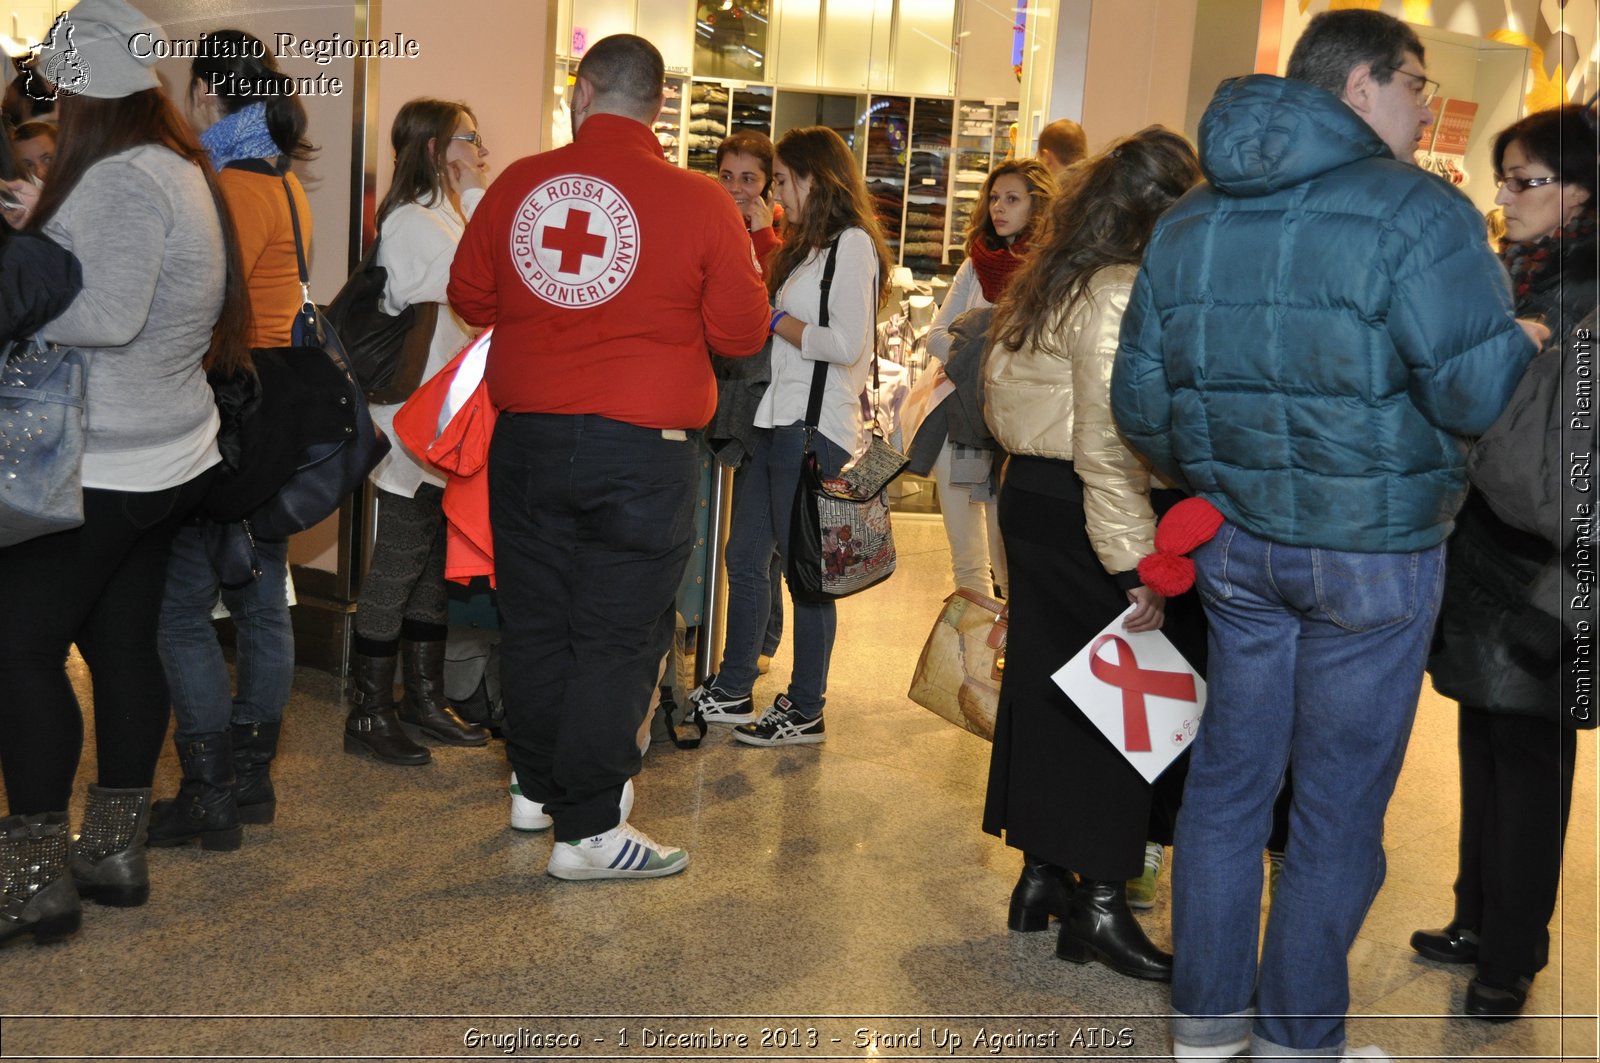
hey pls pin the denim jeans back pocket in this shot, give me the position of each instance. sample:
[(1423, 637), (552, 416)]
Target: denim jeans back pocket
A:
[(1210, 559), (1364, 592)]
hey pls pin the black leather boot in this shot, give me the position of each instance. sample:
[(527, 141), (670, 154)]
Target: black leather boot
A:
[(204, 809), (1101, 927), (373, 727), (108, 862), (1042, 890), (424, 706), (36, 893), (254, 746)]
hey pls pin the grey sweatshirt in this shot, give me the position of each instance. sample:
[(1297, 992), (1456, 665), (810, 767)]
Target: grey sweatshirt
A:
[(144, 227)]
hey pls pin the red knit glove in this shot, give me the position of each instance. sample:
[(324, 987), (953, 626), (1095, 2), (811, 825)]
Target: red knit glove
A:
[(1168, 571)]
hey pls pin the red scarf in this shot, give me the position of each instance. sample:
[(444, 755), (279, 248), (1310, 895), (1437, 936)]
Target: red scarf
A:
[(995, 267)]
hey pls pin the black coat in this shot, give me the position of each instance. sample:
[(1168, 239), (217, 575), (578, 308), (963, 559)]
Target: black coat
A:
[(38, 280), (1494, 648)]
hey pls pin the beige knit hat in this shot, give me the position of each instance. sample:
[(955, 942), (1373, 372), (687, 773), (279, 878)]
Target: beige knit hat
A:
[(102, 48)]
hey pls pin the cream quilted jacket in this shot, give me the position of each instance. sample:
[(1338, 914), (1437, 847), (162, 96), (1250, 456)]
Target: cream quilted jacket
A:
[(1052, 399)]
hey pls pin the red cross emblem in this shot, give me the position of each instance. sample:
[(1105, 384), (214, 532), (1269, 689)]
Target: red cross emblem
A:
[(574, 241)]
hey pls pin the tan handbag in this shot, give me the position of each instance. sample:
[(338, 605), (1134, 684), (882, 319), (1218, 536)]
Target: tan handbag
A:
[(958, 675)]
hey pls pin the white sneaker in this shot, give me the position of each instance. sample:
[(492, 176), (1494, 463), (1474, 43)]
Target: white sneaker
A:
[(530, 816), (1214, 1052), (623, 851)]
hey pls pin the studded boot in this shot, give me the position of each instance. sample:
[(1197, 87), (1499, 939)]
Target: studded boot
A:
[(373, 727), (108, 863), (36, 894), (424, 706), (205, 809), (254, 746)]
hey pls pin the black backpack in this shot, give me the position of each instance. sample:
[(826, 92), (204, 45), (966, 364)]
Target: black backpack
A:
[(387, 351)]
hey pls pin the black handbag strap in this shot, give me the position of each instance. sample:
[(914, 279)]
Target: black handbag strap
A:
[(299, 245), (819, 375)]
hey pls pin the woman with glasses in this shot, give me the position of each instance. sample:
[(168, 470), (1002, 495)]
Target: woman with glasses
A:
[(440, 173), (1493, 653)]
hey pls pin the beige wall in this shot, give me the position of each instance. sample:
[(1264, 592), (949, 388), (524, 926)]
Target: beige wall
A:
[(500, 70), (1138, 67)]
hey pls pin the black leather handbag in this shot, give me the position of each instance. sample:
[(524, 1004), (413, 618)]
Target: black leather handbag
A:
[(296, 437), (387, 352)]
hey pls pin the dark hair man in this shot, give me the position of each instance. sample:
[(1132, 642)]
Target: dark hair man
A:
[(1062, 143), (606, 272), (1311, 337)]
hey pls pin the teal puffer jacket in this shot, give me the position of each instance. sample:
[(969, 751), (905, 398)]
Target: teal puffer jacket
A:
[(1312, 335)]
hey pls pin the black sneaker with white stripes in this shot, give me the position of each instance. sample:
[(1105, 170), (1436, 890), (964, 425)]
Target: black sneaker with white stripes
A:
[(716, 706), (782, 725)]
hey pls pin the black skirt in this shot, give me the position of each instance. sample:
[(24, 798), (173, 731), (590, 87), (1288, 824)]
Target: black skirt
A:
[(1058, 788)]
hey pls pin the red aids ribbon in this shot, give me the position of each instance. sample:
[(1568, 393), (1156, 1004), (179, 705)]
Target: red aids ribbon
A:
[(1135, 683)]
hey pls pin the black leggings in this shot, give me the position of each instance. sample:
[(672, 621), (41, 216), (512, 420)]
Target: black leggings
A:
[(98, 586)]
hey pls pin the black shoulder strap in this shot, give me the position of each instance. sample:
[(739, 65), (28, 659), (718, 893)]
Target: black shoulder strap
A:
[(819, 375)]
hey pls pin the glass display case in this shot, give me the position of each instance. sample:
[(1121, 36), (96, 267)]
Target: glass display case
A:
[(730, 39), (888, 121), (706, 124), (983, 131), (927, 186)]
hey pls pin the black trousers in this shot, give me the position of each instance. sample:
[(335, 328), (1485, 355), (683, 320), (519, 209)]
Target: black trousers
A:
[(1516, 791), (99, 586), (592, 523)]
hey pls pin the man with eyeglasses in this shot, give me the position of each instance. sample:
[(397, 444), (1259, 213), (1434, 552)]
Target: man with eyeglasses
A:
[(1311, 338)]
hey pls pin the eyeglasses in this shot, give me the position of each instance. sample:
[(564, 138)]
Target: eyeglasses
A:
[(475, 139), (1426, 89), (1518, 185)]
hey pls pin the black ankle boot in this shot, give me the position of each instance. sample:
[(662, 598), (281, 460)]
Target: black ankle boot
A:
[(1042, 890), (1101, 927), (373, 726), (254, 746), (36, 893), (108, 862), (424, 706), (205, 809)]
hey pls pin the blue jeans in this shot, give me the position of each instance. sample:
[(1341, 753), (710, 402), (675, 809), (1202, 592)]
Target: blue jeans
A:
[(593, 521), (763, 498), (203, 700), (1315, 656)]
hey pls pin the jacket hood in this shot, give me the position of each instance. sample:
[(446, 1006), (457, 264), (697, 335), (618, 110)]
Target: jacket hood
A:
[(1262, 134)]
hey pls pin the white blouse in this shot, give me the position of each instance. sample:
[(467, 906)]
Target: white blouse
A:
[(417, 245), (846, 343)]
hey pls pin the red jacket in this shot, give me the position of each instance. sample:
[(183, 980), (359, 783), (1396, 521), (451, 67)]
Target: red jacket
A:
[(607, 272)]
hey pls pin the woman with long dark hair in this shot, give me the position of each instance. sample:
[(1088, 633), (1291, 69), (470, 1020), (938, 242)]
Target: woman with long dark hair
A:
[(1078, 512), (132, 195), (440, 173), (827, 207), (1492, 652), (252, 130)]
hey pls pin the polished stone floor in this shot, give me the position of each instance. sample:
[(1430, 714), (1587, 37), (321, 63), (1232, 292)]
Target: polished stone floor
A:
[(840, 903)]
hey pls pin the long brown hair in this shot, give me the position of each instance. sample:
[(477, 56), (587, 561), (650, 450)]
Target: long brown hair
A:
[(1103, 216), (837, 201), (93, 129), (419, 172), (1041, 187)]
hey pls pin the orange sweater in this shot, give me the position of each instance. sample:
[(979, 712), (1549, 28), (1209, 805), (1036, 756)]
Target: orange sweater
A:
[(266, 247)]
